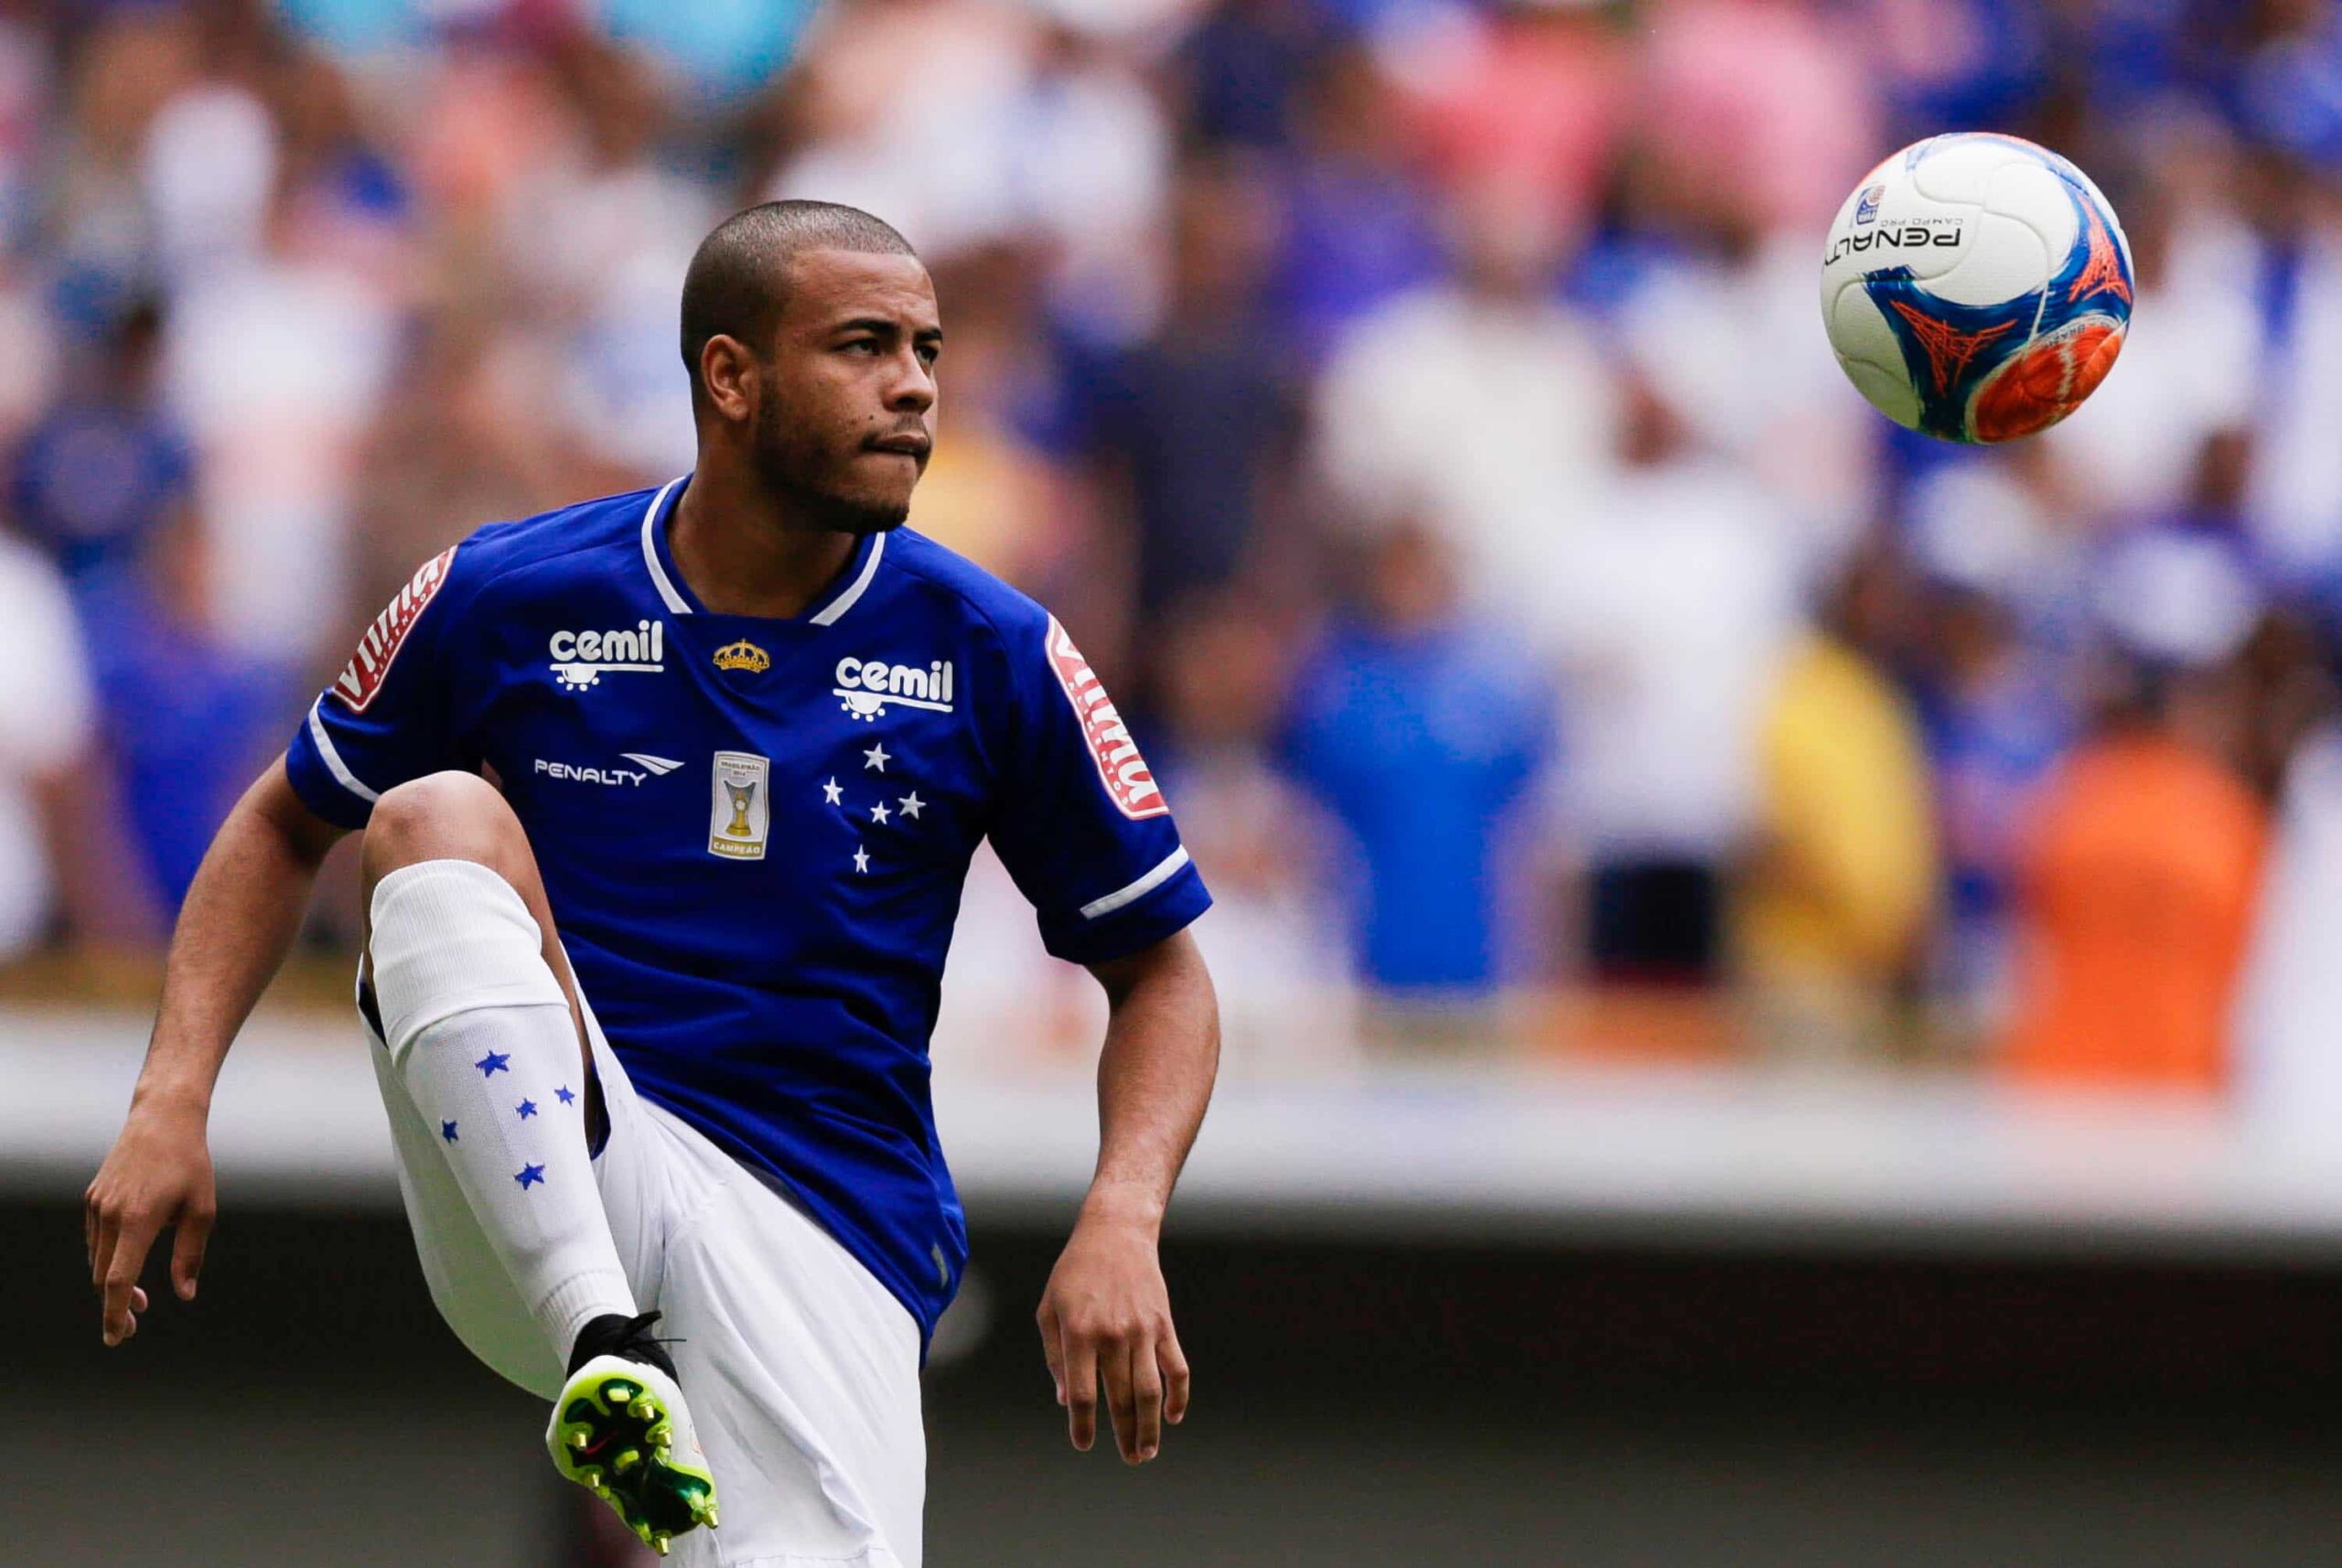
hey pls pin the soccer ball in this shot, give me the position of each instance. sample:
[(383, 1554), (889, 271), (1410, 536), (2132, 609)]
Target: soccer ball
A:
[(1976, 288)]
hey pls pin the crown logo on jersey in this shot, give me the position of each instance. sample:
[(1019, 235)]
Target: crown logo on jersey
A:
[(743, 655)]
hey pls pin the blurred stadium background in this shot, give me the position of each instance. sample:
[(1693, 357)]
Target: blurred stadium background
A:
[(1782, 980)]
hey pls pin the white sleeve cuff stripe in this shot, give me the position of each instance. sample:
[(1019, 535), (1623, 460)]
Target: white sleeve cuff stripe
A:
[(667, 595), (339, 768), (1139, 890), (845, 601)]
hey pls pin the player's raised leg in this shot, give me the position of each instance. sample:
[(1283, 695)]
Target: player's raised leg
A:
[(483, 1034)]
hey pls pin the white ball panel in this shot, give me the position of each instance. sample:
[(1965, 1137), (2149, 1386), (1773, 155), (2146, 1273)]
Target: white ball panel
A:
[(2000, 259), (1890, 393), (1858, 331), (1869, 353), (2034, 194), (1957, 170)]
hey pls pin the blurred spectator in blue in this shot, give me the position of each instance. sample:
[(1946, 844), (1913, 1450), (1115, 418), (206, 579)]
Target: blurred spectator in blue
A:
[(1989, 653), (102, 472), (1419, 727), (1356, 226), (1237, 76), (2288, 80), (187, 720), (1998, 722), (1194, 429), (1959, 65)]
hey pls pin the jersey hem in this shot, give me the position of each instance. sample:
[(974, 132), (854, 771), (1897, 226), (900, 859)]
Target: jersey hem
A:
[(759, 1166)]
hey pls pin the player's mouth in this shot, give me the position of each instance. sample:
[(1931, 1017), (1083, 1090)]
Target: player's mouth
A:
[(911, 443)]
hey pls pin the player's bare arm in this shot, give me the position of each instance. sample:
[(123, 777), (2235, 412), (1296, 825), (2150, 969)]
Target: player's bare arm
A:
[(1106, 1314), (240, 917)]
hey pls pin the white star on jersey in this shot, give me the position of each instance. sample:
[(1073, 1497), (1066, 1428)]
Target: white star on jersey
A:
[(877, 757), (831, 793), (861, 859), (878, 812), (912, 805)]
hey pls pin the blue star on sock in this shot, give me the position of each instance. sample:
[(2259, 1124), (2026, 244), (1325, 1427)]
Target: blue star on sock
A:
[(447, 1131), (527, 1108), (531, 1175), (492, 1064), (564, 1095)]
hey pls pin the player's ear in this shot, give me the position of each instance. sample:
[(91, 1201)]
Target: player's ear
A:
[(726, 369)]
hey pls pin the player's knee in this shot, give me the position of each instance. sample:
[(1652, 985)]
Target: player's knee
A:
[(441, 816)]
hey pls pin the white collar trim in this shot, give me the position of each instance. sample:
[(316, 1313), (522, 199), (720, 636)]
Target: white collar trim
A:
[(845, 601), (667, 593)]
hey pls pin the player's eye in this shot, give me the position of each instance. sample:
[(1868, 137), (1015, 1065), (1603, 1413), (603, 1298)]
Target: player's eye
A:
[(929, 353), (862, 346)]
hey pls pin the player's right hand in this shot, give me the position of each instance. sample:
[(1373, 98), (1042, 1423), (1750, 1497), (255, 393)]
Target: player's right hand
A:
[(159, 1173)]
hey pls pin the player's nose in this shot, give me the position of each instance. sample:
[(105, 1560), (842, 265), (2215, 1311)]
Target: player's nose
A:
[(913, 390)]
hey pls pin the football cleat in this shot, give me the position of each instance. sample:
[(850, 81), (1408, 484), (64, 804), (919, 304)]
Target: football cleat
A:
[(620, 1429)]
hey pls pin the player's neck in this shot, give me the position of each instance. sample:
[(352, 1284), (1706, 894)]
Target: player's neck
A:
[(741, 555)]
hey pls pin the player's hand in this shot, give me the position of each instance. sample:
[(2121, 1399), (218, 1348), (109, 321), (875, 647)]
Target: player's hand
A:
[(158, 1174), (1106, 1314)]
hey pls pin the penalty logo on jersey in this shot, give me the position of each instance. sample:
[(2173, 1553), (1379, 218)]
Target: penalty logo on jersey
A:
[(1119, 766), (362, 677)]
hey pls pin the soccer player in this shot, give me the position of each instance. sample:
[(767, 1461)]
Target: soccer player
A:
[(668, 799)]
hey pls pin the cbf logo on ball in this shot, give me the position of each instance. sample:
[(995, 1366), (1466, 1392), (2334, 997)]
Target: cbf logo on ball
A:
[(1866, 208)]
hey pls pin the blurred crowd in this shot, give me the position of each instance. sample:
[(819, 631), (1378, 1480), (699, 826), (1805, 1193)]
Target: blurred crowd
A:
[(1419, 407)]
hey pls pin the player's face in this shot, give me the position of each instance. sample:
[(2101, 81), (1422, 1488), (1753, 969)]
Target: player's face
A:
[(844, 423)]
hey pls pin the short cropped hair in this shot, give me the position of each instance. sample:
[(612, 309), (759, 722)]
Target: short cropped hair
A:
[(735, 285)]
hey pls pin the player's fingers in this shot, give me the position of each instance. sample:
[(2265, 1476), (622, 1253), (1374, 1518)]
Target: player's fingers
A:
[(1050, 1352), (122, 1276), (1173, 1362), (108, 1236), (1080, 1389), (137, 1299), (1121, 1397), (1146, 1394), (186, 1248)]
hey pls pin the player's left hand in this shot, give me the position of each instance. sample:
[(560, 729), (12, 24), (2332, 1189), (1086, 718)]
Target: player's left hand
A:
[(1107, 1314)]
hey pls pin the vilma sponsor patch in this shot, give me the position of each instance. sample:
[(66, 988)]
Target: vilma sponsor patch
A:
[(1120, 769), (362, 677)]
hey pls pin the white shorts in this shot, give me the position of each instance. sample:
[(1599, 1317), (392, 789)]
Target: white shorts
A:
[(801, 1368)]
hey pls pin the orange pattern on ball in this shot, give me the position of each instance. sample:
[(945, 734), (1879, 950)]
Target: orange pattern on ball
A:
[(2047, 382)]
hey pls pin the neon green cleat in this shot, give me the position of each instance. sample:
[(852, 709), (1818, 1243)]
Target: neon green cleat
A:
[(620, 1429)]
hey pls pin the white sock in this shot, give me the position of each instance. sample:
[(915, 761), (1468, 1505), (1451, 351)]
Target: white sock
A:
[(481, 1035)]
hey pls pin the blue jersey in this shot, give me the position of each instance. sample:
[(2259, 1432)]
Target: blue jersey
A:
[(754, 832)]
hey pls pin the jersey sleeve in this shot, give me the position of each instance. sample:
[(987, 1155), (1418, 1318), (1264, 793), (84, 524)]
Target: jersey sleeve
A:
[(386, 717), (1082, 826)]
